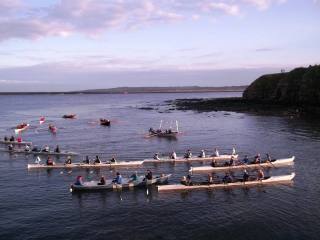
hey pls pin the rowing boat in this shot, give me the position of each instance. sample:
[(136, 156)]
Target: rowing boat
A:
[(271, 180), (273, 164), (193, 159), (15, 142), (140, 182), (21, 129), (40, 153), (69, 116), (85, 165)]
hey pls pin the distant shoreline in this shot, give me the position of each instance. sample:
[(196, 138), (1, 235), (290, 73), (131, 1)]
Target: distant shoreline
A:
[(138, 90)]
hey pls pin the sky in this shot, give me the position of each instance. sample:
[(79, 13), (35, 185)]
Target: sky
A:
[(57, 45)]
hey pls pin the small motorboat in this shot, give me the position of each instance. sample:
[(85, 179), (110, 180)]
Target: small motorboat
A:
[(105, 122)]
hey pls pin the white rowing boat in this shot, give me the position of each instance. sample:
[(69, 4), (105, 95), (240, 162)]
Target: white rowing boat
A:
[(40, 153), (140, 182), (272, 180), (276, 163), (15, 142), (193, 159), (85, 165)]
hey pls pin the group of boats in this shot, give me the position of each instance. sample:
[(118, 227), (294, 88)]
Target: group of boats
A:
[(226, 163)]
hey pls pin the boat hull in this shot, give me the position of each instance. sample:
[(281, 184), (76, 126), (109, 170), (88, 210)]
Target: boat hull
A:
[(277, 163), (83, 165), (272, 180), (141, 182)]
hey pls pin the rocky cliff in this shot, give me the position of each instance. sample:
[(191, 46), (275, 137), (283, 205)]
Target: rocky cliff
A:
[(299, 87)]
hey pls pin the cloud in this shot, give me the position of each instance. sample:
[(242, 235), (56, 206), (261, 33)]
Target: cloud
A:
[(230, 9), (94, 17), (264, 4)]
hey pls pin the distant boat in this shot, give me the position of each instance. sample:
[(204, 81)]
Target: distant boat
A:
[(105, 122), (21, 127), (70, 116), (53, 129), (164, 133), (42, 120)]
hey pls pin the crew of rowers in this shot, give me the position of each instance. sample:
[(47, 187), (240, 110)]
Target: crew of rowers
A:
[(12, 139), (152, 131), (45, 149), (227, 178), (118, 179), (97, 160), (188, 154), (233, 161)]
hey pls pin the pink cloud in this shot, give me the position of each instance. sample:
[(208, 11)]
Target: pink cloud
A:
[(92, 17)]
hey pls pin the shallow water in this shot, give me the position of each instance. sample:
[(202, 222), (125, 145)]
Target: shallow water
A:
[(38, 204)]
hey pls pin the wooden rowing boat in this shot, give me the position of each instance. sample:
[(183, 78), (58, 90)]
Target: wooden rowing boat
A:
[(193, 159), (15, 142), (22, 128), (40, 153), (273, 164), (85, 165), (140, 182), (272, 180)]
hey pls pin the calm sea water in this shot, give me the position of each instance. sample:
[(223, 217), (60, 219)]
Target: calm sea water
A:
[(38, 204)]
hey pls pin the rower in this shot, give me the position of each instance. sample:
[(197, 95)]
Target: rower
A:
[(188, 180), (113, 159), (210, 179), (245, 159), (79, 181), (232, 163), (260, 175), (149, 175), (10, 147), (202, 154), (35, 149), (5, 139), (49, 161), (57, 149), (188, 154), (245, 176), (173, 155), (133, 177), (102, 181), (46, 149), (68, 161), (257, 159), (27, 148), (87, 160), (227, 178), (234, 151), (213, 163), (183, 180), (117, 179), (97, 160), (12, 139), (156, 156), (216, 152), (269, 160), (19, 139)]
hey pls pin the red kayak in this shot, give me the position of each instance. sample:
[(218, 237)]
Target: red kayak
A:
[(42, 120)]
